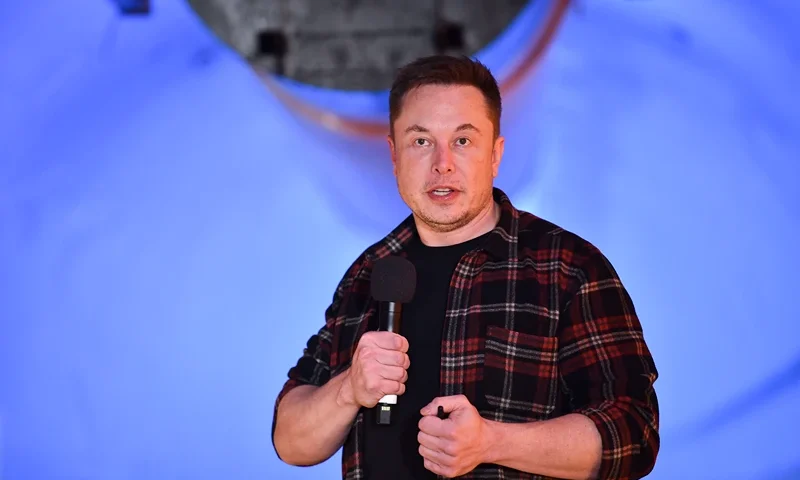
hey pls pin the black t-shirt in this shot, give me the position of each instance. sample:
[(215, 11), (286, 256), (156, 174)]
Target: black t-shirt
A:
[(391, 452)]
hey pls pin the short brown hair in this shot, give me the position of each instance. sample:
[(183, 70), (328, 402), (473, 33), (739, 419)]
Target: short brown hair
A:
[(445, 70)]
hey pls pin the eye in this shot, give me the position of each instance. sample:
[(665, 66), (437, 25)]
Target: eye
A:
[(420, 142), (462, 141)]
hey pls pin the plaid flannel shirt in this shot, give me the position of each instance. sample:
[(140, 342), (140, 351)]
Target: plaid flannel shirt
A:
[(538, 325)]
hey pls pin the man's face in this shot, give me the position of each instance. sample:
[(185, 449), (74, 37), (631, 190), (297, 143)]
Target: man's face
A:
[(445, 156)]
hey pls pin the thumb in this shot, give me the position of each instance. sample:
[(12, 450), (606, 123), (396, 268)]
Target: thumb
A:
[(448, 404)]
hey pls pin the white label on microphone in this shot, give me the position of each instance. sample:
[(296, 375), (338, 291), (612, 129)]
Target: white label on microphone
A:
[(389, 399)]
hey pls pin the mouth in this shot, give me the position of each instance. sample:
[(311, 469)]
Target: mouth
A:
[(441, 191), (442, 194)]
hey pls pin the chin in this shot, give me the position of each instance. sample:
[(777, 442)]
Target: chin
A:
[(441, 221)]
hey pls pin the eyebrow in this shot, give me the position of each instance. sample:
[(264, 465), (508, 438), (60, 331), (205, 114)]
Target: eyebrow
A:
[(461, 128)]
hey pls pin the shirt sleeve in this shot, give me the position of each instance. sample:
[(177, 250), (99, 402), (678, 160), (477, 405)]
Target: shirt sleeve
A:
[(609, 372), (314, 366)]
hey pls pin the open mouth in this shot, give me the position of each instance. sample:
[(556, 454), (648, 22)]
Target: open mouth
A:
[(441, 192)]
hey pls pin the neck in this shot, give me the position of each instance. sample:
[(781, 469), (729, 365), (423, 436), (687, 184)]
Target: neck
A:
[(484, 222)]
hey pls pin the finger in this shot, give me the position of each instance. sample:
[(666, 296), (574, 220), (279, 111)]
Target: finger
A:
[(450, 404), (434, 467), (397, 374), (390, 341), (431, 442), (390, 387), (392, 358), (439, 458), (376, 385), (374, 356), (433, 426), (403, 344)]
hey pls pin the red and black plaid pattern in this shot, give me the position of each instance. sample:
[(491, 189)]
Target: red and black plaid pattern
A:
[(538, 325)]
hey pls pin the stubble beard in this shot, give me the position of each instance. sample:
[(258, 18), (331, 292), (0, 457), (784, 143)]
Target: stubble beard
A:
[(447, 225)]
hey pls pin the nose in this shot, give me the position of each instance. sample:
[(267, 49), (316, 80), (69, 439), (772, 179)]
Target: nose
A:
[(443, 161)]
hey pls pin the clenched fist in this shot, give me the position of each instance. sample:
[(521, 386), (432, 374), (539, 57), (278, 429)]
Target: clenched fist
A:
[(378, 368), (454, 446)]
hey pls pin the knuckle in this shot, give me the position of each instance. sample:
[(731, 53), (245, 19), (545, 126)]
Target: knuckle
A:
[(362, 354), (384, 335), (365, 340), (370, 383), (423, 425), (451, 450)]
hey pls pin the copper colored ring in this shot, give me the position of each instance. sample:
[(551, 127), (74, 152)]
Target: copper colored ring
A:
[(353, 126)]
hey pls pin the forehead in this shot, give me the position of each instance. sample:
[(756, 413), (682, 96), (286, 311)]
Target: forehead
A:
[(444, 103)]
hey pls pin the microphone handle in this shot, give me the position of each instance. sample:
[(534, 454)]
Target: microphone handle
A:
[(390, 320)]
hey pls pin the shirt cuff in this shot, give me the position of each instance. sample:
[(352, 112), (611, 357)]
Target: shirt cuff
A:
[(624, 452)]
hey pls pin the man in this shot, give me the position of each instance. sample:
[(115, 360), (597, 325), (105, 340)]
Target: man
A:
[(520, 330)]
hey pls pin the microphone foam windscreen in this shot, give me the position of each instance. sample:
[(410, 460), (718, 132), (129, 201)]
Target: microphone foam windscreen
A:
[(394, 279)]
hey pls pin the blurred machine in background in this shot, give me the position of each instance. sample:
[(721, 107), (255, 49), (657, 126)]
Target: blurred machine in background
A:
[(333, 62), (352, 44)]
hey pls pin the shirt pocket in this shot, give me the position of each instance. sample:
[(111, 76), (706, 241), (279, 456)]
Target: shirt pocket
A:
[(520, 375)]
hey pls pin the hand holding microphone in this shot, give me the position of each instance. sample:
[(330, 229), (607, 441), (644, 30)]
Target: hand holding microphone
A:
[(378, 374), (378, 368)]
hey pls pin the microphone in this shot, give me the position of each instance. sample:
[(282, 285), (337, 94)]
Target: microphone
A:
[(394, 280)]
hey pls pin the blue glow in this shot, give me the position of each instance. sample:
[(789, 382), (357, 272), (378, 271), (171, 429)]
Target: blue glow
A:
[(170, 235)]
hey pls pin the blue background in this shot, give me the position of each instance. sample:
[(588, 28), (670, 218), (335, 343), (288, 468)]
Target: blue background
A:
[(170, 234)]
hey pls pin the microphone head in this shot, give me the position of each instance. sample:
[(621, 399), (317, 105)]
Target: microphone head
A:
[(394, 279)]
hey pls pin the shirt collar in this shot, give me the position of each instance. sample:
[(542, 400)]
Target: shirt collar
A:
[(501, 243)]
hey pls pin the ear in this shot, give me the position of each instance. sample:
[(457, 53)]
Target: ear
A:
[(392, 153), (497, 155)]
